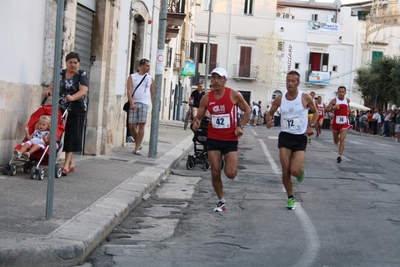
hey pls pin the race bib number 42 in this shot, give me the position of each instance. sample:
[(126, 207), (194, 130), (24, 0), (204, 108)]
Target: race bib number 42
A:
[(221, 121)]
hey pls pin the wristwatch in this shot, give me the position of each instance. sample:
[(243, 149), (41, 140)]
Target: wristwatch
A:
[(241, 126), (312, 125)]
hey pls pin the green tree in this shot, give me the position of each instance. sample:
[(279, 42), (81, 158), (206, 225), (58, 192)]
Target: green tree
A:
[(379, 81)]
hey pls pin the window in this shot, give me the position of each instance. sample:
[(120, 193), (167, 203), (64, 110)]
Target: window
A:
[(281, 46), (334, 68), (362, 15), (314, 17), (245, 61), (248, 7), (296, 66), (169, 58), (200, 55), (376, 55), (318, 62)]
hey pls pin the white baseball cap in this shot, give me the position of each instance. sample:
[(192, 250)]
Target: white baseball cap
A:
[(220, 72)]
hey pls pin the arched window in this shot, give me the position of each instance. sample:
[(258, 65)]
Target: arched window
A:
[(275, 94)]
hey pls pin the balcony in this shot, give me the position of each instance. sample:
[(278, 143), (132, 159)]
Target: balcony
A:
[(175, 17), (244, 72)]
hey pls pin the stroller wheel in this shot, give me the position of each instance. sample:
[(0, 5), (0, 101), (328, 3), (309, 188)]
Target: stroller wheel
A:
[(6, 168), (190, 164), (40, 173), (33, 173), (206, 165), (27, 167), (13, 170), (58, 171)]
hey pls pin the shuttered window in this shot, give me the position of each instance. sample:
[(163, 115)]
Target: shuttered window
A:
[(83, 36), (245, 61)]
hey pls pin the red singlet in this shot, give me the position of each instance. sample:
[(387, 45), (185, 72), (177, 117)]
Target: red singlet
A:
[(341, 116), (223, 114)]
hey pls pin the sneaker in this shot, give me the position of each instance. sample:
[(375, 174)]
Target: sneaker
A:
[(291, 204), (26, 155), (17, 154), (396, 140), (302, 175), (339, 159), (130, 139), (221, 206)]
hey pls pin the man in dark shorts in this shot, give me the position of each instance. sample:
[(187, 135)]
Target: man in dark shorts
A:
[(295, 127), (224, 130)]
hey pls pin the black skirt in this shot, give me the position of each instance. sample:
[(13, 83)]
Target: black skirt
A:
[(73, 136)]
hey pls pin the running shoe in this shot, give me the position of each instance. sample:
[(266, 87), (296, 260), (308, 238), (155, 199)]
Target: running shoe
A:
[(339, 159), (291, 204), (221, 206), (130, 139), (300, 178)]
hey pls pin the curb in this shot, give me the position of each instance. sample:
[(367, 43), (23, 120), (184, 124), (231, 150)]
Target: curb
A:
[(71, 243)]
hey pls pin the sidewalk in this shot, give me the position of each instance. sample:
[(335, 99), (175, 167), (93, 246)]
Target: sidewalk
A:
[(87, 205)]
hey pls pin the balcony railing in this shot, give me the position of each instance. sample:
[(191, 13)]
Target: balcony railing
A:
[(176, 6), (244, 72)]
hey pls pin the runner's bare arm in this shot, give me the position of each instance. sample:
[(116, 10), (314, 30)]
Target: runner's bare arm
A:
[(200, 112), (275, 105)]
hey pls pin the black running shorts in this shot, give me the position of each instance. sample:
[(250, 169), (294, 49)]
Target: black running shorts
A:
[(223, 146), (294, 142)]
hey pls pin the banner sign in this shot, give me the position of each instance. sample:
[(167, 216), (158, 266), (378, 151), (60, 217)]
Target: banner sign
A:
[(319, 77), (323, 27), (189, 69)]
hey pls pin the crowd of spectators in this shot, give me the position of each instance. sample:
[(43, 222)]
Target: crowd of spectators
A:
[(376, 122)]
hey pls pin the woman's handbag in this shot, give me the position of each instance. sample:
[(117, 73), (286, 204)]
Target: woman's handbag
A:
[(127, 105)]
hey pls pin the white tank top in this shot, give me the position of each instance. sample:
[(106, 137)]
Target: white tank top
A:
[(142, 94), (294, 117)]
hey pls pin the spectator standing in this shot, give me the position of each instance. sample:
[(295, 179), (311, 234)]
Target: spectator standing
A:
[(397, 129), (196, 96), (143, 83)]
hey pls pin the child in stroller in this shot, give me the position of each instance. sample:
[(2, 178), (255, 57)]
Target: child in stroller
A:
[(36, 140), (37, 155), (200, 147)]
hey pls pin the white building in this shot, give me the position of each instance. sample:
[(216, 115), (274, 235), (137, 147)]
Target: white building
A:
[(259, 44)]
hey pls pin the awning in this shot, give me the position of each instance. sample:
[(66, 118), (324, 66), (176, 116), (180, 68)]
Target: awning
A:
[(355, 106)]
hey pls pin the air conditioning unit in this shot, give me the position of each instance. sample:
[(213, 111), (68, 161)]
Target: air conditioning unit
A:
[(278, 14), (287, 15)]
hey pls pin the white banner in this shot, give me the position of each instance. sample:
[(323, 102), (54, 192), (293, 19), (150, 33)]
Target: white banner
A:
[(323, 27)]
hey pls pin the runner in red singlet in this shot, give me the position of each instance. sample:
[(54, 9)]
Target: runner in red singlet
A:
[(321, 113), (340, 122), (223, 130)]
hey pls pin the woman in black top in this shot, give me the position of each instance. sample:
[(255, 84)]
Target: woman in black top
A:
[(74, 85)]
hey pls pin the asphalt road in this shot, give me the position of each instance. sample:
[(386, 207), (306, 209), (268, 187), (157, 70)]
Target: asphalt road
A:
[(346, 215)]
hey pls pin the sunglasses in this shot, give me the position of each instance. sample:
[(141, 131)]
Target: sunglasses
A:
[(143, 61)]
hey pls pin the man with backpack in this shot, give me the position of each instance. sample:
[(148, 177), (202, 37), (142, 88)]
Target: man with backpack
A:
[(254, 114)]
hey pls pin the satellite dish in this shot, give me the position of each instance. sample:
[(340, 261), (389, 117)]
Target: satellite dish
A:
[(278, 14), (287, 15)]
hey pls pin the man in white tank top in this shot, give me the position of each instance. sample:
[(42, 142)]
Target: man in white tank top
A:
[(141, 86), (292, 141)]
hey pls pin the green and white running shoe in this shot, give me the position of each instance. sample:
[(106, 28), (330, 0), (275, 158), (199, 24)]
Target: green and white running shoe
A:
[(291, 204), (300, 178)]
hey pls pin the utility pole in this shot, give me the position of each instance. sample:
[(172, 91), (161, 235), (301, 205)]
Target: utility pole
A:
[(54, 108), (155, 113), (208, 46)]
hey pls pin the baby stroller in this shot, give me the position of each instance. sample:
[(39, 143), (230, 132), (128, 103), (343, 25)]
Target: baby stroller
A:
[(41, 156), (200, 147)]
